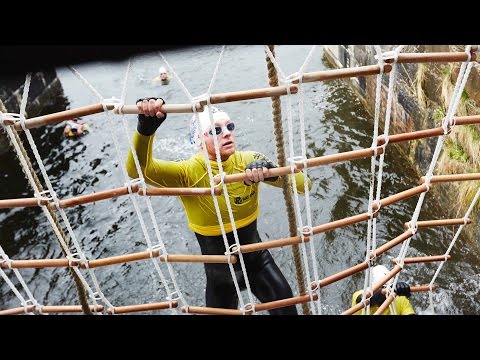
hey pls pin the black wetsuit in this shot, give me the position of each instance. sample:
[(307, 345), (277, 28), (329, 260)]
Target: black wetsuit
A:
[(266, 280)]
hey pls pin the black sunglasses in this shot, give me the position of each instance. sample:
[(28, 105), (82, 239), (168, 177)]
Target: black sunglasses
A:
[(219, 129)]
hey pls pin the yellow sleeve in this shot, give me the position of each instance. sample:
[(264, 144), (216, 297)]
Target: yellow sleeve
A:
[(355, 295), (161, 173), (403, 305)]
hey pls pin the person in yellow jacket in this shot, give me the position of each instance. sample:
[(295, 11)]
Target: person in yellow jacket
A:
[(266, 280), (401, 302)]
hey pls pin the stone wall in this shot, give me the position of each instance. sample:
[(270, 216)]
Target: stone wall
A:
[(420, 101), (416, 100)]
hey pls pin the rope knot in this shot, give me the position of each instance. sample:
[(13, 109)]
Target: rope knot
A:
[(7, 119), (232, 250), (294, 160), (5, 260), (135, 182), (173, 296), (113, 101), (374, 208), (73, 260), (248, 309), (413, 227), (221, 182), (155, 247), (41, 200), (306, 230)]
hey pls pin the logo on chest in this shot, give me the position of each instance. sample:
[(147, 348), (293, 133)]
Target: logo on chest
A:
[(238, 200)]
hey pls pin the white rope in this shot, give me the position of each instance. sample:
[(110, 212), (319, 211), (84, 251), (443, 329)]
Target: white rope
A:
[(370, 243), (372, 222), (53, 194), (19, 277), (308, 209), (452, 243), (459, 86), (160, 243), (224, 187), (292, 157), (225, 190), (155, 262)]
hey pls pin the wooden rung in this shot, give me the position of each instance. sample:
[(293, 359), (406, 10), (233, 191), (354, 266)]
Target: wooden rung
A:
[(44, 263), (51, 309), (221, 259), (37, 263), (270, 244), (341, 223), (456, 177), (285, 302), (90, 198), (113, 193), (179, 191), (394, 242), (420, 288), (166, 108), (313, 162), (57, 117), (142, 307), (439, 222), (215, 99), (436, 57), (210, 310), (340, 275), (363, 265), (400, 196), (420, 259), (422, 134), (417, 288), (258, 307), (297, 239), (381, 309), (252, 94), (334, 74), (25, 202), (467, 120), (355, 308)]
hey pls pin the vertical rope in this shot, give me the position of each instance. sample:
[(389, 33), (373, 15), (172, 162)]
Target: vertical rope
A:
[(287, 192), (82, 296)]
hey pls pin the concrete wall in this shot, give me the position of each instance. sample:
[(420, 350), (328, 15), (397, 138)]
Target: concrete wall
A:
[(45, 90)]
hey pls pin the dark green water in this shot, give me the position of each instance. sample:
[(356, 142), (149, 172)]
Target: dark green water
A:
[(335, 121)]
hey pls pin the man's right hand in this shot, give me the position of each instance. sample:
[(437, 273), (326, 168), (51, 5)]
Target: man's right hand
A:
[(150, 117), (258, 171)]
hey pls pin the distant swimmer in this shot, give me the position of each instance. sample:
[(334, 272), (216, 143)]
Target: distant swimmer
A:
[(162, 77), (76, 128)]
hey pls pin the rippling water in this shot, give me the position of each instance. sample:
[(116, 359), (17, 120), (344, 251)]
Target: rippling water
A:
[(335, 121)]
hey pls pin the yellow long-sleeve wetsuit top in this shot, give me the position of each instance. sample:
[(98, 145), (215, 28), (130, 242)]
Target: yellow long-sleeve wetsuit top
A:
[(200, 210)]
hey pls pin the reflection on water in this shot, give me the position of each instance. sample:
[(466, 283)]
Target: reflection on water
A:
[(335, 121)]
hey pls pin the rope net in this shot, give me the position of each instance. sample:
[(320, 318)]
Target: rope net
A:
[(95, 280)]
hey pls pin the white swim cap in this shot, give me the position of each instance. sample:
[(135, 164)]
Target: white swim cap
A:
[(204, 122), (378, 273), (162, 70)]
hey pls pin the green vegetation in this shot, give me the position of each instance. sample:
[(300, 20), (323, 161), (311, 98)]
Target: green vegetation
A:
[(456, 152)]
